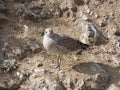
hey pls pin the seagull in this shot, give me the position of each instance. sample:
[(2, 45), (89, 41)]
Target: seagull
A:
[(60, 44)]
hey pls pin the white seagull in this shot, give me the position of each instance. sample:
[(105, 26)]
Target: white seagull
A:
[(60, 44)]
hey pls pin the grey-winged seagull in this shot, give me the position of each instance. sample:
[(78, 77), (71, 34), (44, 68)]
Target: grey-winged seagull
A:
[(60, 44)]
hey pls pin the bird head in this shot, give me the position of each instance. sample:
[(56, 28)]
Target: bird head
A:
[(48, 32)]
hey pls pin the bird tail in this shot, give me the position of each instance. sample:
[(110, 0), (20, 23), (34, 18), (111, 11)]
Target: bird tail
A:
[(82, 45)]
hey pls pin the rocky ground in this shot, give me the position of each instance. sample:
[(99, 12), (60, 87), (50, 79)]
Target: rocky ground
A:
[(24, 63)]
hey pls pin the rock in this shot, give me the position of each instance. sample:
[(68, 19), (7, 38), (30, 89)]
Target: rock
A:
[(79, 2), (9, 84), (26, 28), (68, 9), (3, 17), (23, 11), (97, 80), (87, 9), (113, 87), (62, 75), (53, 85), (41, 83), (98, 2), (116, 60), (90, 34), (36, 10), (91, 77), (64, 6), (3, 86), (32, 45), (40, 71), (17, 52), (54, 68), (40, 65), (2, 6), (84, 17), (55, 10), (20, 75), (117, 33), (102, 22), (36, 4), (96, 15), (5, 46)]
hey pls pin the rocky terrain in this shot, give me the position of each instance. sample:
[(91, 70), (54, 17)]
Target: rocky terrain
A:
[(25, 64)]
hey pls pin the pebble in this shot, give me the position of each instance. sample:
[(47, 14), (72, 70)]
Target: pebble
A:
[(39, 70)]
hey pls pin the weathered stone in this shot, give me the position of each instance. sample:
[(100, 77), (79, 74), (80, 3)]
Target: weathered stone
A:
[(3, 17), (102, 22), (3, 86), (9, 84), (32, 45), (20, 75), (40, 71), (98, 2), (84, 17), (79, 2), (90, 34), (17, 52), (99, 77), (54, 68), (42, 83), (2, 6), (68, 9), (113, 87)]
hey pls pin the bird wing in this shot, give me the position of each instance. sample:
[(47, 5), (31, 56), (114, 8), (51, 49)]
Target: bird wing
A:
[(68, 42)]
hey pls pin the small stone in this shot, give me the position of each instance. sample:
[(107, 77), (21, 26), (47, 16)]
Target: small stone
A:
[(35, 47), (53, 85), (62, 75), (84, 17), (2, 6), (54, 68), (5, 46), (3, 17), (41, 32), (20, 75), (79, 2), (12, 85), (17, 51), (96, 15), (40, 65), (102, 23), (113, 87), (116, 60), (25, 28), (87, 9), (75, 58), (39, 70), (3, 86), (97, 2), (80, 14)]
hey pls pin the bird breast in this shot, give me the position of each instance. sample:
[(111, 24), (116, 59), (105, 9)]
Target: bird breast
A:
[(48, 43)]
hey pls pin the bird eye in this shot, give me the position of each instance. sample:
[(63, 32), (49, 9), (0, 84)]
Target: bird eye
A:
[(45, 32)]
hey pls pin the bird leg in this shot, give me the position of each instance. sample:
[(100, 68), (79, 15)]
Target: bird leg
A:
[(58, 61)]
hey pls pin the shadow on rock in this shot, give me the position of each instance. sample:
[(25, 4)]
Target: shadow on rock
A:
[(100, 76)]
